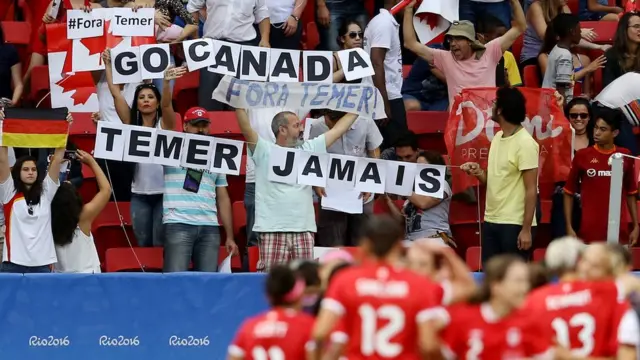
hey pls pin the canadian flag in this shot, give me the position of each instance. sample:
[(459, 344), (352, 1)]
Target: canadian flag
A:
[(71, 62), (433, 17)]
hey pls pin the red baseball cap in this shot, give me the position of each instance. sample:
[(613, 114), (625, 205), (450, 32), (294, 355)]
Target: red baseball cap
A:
[(195, 115)]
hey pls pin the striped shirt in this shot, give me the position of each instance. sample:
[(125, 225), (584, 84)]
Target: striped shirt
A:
[(184, 207)]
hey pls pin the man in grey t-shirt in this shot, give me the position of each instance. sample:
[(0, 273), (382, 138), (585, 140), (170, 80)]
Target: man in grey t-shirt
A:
[(559, 74)]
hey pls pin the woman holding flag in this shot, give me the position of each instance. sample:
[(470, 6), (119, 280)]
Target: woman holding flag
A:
[(27, 198)]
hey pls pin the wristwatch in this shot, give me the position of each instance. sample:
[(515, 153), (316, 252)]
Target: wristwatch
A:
[(295, 17)]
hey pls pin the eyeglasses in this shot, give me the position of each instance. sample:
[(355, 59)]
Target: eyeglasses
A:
[(353, 34), (635, 26), (583, 116)]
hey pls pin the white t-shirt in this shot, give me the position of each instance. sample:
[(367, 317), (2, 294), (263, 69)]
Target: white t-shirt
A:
[(105, 99), (260, 120), (148, 179), (623, 93), (29, 240), (80, 256), (283, 207), (279, 10), (384, 32)]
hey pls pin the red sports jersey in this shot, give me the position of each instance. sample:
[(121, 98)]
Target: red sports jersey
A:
[(591, 173), (381, 307), (277, 334), (583, 315), (474, 332)]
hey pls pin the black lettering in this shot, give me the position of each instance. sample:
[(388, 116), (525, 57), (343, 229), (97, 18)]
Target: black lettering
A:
[(400, 175), (355, 60), (317, 63), (313, 166), (139, 138), (343, 173), (198, 147), (166, 149), (224, 58), (226, 152), (371, 173), (132, 63), (164, 60), (258, 65), (288, 165), (193, 54), (430, 177), (111, 135), (284, 64)]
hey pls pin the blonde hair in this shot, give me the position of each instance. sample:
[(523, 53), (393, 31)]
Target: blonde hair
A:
[(550, 9)]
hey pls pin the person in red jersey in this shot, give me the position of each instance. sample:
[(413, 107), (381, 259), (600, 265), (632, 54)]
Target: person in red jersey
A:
[(282, 333), (492, 326), (385, 309), (591, 173)]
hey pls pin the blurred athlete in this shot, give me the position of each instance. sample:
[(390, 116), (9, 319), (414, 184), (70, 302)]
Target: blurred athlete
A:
[(383, 308), (493, 326), (282, 333)]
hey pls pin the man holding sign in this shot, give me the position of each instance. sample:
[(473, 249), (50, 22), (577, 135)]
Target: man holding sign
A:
[(285, 217)]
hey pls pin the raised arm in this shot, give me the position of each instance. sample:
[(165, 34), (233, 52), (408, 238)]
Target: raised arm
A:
[(340, 128), (190, 27), (5, 169), (168, 115), (93, 208), (410, 39), (122, 107), (58, 156), (249, 134), (518, 27)]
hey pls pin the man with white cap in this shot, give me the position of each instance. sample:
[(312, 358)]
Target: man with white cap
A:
[(468, 64)]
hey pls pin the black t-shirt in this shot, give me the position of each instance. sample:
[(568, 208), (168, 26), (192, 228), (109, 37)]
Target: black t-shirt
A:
[(8, 58)]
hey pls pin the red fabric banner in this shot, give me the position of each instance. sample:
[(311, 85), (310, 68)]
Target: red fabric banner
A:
[(470, 129)]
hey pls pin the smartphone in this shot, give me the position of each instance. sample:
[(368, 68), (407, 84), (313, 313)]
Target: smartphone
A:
[(192, 180)]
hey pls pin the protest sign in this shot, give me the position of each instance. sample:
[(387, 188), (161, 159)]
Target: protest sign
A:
[(469, 132), (363, 100)]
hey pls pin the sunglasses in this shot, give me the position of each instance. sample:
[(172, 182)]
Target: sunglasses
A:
[(354, 34), (583, 116)]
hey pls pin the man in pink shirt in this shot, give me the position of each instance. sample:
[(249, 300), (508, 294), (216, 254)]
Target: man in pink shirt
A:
[(468, 64)]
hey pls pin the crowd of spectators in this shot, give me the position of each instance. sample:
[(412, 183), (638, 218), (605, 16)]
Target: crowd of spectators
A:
[(183, 209)]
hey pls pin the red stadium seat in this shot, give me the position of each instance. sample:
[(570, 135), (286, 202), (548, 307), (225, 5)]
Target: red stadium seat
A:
[(40, 86), (473, 258), (16, 32), (225, 125), (516, 48), (254, 256), (538, 254), (405, 71), (531, 77), (239, 222), (313, 37), (185, 92), (236, 264), (108, 229), (605, 30), (380, 206), (89, 187), (574, 6), (83, 131), (429, 126), (129, 259)]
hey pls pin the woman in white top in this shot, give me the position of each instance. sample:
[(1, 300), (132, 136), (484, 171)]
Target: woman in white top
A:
[(150, 110), (71, 222), (26, 196)]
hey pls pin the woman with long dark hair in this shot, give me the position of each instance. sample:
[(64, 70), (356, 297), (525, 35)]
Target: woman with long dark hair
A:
[(71, 222), (149, 109), (10, 72), (27, 198), (288, 330), (624, 56), (350, 36)]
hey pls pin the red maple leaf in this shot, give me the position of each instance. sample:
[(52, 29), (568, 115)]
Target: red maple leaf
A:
[(95, 45), (430, 18), (82, 83), (111, 40)]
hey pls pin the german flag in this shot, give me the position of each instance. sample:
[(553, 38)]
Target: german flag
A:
[(35, 128)]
